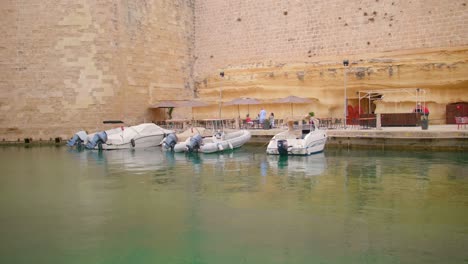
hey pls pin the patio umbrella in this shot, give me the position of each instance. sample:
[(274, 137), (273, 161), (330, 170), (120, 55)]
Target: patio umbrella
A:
[(179, 103), (293, 100), (243, 101), (193, 103)]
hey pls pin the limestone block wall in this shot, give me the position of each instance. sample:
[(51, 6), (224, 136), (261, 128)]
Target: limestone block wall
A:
[(271, 49), (69, 65)]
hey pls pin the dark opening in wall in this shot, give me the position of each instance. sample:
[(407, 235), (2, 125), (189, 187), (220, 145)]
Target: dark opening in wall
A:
[(285, 13), (368, 42), (239, 19)]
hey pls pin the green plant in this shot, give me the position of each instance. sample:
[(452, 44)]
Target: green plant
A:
[(169, 112), (311, 114)]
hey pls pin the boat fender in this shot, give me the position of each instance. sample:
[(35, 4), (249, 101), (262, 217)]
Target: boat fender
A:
[(230, 145), (220, 147), (132, 142)]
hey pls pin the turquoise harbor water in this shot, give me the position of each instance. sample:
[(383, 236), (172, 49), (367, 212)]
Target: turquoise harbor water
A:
[(147, 206)]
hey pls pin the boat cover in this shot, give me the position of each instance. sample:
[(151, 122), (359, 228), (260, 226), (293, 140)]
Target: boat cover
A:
[(124, 135)]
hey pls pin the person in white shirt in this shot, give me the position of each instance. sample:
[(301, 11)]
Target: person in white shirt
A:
[(262, 116)]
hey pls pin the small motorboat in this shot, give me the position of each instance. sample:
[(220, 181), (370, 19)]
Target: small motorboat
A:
[(139, 136), (218, 142), (306, 141)]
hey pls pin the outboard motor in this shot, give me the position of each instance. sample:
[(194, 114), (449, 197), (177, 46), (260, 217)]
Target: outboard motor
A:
[(282, 147), (77, 139), (98, 139), (195, 143), (169, 142)]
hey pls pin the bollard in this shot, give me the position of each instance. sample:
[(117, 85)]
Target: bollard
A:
[(379, 121)]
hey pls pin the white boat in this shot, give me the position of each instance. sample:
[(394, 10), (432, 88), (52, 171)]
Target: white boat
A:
[(139, 136), (220, 141), (307, 141)]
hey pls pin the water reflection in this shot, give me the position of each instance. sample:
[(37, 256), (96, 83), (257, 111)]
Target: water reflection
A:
[(306, 166), (148, 206), (154, 159)]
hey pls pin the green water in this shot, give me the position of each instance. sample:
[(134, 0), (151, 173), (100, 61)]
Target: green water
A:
[(146, 206)]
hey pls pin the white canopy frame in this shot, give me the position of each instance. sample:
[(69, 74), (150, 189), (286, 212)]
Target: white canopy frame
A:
[(416, 94)]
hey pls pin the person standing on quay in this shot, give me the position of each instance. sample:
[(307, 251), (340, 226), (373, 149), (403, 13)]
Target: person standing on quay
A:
[(262, 116), (272, 120)]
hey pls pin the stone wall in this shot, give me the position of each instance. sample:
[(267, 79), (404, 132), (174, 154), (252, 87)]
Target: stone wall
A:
[(69, 65), (271, 49)]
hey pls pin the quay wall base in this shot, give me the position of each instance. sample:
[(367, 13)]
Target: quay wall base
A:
[(442, 138)]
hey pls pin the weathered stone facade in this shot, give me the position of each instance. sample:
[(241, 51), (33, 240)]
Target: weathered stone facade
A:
[(68, 65), (272, 49)]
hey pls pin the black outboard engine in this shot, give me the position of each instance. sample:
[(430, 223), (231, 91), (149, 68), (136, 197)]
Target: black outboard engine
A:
[(77, 139), (98, 139), (195, 143), (282, 147), (170, 141)]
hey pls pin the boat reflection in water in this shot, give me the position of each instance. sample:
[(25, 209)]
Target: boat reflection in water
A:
[(296, 166), (154, 159)]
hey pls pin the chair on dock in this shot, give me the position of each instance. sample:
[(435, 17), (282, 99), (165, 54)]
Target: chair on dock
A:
[(461, 121)]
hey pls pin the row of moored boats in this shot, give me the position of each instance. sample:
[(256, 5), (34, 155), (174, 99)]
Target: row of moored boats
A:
[(305, 141)]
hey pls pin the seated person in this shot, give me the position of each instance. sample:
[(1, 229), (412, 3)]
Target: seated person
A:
[(248, 121), (272, 120), (421, 109)]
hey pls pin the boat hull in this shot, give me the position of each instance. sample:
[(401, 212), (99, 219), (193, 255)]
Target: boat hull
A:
[(213, 144), (140, 136), (311, 143), (138, 142)]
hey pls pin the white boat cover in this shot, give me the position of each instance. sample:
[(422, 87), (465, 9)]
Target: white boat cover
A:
[(118, 136)]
